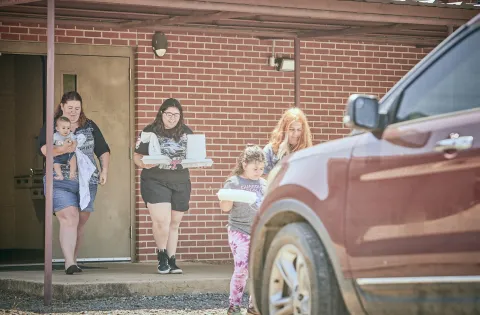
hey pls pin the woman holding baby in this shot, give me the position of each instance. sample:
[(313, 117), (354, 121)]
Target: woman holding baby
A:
[(165, 188), (74, 191)]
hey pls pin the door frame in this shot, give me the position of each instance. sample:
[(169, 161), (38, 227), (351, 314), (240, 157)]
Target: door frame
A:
[(40, 48)]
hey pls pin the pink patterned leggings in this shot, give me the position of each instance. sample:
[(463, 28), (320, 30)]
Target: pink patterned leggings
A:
[(239, 243)]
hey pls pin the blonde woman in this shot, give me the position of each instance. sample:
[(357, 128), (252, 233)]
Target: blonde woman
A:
[(291, 134)]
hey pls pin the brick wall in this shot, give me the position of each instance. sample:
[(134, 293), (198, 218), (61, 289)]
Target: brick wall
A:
[(232, 95)]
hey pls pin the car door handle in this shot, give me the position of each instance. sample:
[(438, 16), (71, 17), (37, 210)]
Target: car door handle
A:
[(454, 144)]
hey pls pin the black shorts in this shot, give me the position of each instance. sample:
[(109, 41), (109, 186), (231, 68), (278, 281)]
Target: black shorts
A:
[(155, 191)]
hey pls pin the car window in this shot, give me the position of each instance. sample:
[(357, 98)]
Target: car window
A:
[(451, 84)]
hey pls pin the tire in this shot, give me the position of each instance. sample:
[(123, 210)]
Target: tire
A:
[(297, 250)]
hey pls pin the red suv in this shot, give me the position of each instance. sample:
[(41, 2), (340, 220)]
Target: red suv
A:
[(386, 221)]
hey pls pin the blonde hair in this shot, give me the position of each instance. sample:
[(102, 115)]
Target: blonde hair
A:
[(279, 137), (251, 154)]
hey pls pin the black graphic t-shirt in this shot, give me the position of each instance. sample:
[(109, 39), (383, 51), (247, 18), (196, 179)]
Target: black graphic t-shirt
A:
[(95, 144), (175, 150)]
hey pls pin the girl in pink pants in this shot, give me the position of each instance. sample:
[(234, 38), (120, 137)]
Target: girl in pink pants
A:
[(246, 176)]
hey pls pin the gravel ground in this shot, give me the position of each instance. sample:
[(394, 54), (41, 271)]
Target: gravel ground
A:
[(185, 304)]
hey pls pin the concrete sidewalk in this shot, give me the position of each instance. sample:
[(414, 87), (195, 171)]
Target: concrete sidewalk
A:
[(122, 279)]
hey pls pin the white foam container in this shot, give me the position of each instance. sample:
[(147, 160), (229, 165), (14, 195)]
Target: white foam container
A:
[(237, 195), (196, 147), (196, 154), (187, 163)]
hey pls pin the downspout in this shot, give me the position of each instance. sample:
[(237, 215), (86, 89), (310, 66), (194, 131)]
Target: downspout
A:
[(297, 71)]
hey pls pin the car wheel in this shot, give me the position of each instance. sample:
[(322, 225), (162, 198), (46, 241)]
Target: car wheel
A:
[(298, 278)]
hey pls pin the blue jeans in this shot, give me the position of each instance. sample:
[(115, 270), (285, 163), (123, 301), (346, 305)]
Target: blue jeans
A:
[(66, 194)]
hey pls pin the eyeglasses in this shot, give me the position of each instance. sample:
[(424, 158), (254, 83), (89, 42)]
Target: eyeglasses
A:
[(170, 115)]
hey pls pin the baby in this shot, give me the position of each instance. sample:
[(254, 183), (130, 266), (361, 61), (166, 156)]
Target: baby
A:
[(63, 135)]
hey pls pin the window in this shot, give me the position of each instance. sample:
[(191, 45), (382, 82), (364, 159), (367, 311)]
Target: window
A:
[(69, 82), (449, 85)]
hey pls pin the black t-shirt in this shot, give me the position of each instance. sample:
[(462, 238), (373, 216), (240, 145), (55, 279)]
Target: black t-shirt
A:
[(175, 150)]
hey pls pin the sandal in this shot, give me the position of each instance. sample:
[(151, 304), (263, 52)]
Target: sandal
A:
[(71, 270)]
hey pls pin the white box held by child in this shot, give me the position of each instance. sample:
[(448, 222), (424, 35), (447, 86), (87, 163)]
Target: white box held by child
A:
[(237, 195)]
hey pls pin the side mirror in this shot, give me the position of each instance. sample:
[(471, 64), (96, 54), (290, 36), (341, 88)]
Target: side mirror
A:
[(362, 112)]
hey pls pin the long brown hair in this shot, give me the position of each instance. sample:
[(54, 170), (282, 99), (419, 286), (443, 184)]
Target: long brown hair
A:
[(71, 96), (158, 125), (251, 154), (279, 134)]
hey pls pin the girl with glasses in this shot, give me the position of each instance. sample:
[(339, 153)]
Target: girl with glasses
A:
[(165, 189)]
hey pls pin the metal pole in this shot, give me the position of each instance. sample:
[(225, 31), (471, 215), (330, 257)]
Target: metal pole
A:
[(47, 282), (297, 71)]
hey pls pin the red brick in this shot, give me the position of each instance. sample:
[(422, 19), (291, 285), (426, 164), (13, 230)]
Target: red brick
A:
[(31, 38), (128, 35), (119, 42), (110, 35), (74, 33), (101, 41), (19, 30), (65, 39), (93, 34), (10, 36), (11, 23), (82, 40), (31, 25)]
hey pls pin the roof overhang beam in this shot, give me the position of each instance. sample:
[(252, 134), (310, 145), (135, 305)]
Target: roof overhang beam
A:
[(6, 3)]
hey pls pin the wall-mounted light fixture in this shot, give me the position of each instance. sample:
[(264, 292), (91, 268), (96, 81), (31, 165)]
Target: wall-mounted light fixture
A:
[(159, 44), (284, 64)]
